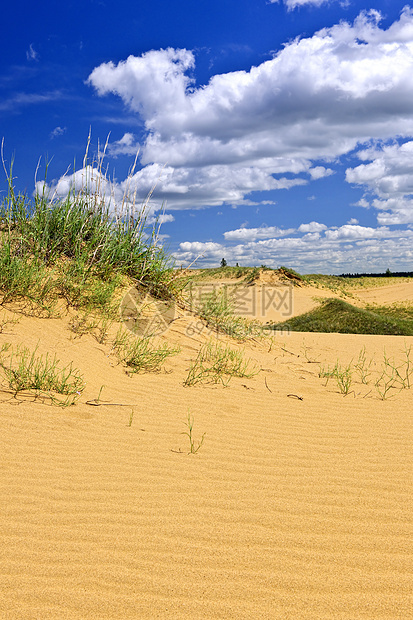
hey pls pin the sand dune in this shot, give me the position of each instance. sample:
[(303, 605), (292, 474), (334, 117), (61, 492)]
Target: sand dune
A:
[(298, 504), (394, 293)]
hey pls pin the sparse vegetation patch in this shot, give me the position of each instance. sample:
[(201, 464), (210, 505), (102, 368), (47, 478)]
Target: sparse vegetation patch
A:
[(42, 375), (217, 363), (141, 354)]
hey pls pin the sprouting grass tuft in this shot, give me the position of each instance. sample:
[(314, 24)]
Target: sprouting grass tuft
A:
[(141, 354), (194, 446), (342, 375), (217, 364), (218, 311), (388, 379), (83, 323), (26, 370)]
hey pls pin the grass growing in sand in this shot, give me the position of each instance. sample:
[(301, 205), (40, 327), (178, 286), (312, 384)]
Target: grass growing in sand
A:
[(193, 445), (141, 354), (218, 311), (246, 275), (138, 354), (217, 363), (222, 272), (388, 380), (25, 370), (81, 249), (342, 375)]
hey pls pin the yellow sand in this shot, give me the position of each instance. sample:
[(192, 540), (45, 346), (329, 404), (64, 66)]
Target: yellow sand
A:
[(293, 508)]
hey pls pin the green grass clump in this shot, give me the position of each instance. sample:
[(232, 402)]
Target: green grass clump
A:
[(141, 354), (24, 278), (338, 316), (25, 370), (217, 364), (79, 249), (218, 311), (342, 374)]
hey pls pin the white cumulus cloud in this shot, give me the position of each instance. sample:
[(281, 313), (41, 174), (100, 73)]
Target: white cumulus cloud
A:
[(388, 175), (312, 227), (349, 248), (319, 172), (249, 234), (195, 188), (315, 100), (127, 145)]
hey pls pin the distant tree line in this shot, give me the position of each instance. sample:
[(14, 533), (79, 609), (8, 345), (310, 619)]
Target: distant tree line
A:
[(386, 274)]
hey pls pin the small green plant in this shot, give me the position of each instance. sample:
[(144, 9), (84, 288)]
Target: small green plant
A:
[(305, 349), (402, 372), (218, 309), (217, 364), (25, 370), (342, 375), (408, 366), (327, 373), (193, 447), (100, 394), (393, 377), (130, 418), (141, 354), (344, 379), (363, 366), (386, 384)]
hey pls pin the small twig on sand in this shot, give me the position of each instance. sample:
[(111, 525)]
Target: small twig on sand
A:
[(266, 385), (290, 352), (96, 403), (295, 396)]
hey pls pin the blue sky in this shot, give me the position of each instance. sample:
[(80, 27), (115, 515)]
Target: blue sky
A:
[(274, 132)]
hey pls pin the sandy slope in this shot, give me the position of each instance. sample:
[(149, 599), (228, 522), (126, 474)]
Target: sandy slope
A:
[(291, 508), (395, 293)]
